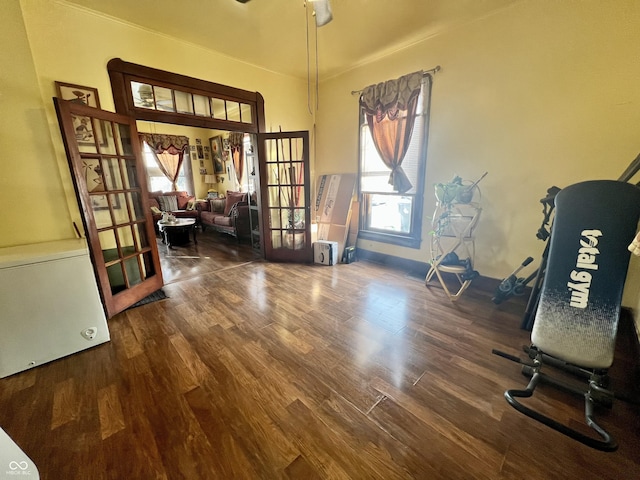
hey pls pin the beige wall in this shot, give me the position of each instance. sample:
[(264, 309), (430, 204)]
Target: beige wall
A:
[(45, 41), (29, 172), (541, 93), (538, 94)]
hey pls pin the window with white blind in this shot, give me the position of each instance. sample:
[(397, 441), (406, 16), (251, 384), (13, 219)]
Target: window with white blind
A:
[(387, 216), (158, 180)]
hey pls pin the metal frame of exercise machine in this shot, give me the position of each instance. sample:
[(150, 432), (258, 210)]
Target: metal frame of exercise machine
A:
[(513, 285)]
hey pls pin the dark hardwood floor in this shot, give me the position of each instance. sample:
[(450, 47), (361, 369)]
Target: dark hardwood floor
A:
[(253, 370)]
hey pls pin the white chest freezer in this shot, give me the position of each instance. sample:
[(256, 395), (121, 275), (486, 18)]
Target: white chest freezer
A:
[(49, 304)]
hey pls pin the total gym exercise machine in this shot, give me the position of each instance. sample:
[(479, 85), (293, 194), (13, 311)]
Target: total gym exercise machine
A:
[(578, 309)]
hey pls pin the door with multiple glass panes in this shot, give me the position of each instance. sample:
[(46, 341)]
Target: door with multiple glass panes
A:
[(285, 196), (104, 156)]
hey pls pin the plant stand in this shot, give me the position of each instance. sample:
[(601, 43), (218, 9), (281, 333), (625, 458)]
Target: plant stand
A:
[(453, 245)]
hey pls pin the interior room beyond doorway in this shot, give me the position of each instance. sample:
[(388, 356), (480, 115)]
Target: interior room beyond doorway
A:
[(204, 173), (204, 170)]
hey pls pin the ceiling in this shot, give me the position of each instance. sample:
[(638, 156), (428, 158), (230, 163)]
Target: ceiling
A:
[(272, 33)]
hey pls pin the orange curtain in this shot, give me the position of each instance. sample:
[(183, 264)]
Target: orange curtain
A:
[(390, 110), (236, 143), (168, 151)]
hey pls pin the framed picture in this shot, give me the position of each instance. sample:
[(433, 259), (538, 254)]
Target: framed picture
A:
[(218, 166), (95, 179), (216, 153), (85, 134), (84, 130), (100, 202), (78, 94), (200, 151)]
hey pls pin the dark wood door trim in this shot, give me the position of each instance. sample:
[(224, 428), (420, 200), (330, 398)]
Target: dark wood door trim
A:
[(121, 74), (275, 252)]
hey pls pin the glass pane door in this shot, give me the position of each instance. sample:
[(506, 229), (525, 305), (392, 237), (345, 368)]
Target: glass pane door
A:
[(284, 179), (104, 156)]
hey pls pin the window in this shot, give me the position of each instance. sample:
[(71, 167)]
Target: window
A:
[(159, 96), (386, 215), (158, 180), (154, 97)]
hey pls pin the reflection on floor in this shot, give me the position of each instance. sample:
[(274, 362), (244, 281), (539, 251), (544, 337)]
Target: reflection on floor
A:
[(260, 370), (213, 252)]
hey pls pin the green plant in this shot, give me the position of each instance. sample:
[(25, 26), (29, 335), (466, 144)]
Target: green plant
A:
[(446, 193)]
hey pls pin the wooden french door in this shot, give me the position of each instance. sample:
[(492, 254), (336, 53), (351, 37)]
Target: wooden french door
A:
[(104, 156), (285, 196)]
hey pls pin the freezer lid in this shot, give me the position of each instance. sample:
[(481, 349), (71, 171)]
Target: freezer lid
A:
[(42, 252)]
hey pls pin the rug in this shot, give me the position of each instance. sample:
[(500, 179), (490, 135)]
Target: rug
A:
[(154, 297)]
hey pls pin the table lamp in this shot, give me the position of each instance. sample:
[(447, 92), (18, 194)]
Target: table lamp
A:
[(210, 180)]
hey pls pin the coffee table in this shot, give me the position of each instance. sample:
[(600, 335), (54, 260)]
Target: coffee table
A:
[(177, 233)]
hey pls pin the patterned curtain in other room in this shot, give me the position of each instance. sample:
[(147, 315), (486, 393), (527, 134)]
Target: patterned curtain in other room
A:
[(236, 146)]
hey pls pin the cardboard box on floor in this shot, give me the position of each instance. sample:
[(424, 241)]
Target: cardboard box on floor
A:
[(354, 224), (333, 208), (325, 252)]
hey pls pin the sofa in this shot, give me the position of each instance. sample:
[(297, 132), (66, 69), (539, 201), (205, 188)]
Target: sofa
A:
[(228, 215), (180, 204)]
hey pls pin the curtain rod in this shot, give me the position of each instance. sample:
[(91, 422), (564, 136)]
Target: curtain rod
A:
[(434, 70)]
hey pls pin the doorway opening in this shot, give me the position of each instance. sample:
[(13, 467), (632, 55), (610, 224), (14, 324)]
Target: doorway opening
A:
[(208, 175), (205, 112), (282, 159)]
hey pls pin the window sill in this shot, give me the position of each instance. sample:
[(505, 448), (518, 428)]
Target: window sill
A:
[(399, 240)]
